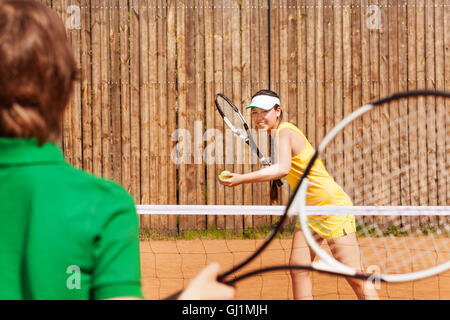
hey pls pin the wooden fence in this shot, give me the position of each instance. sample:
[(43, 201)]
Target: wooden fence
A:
[(151, 68)]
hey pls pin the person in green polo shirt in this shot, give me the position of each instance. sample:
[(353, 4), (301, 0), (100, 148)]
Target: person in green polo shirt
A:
[(64, 234)]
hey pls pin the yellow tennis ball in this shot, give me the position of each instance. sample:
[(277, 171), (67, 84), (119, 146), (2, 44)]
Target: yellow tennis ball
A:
[(224, 173)]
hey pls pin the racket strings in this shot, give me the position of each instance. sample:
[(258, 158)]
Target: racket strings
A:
[(231, 117), (355, 161), (390, 157)]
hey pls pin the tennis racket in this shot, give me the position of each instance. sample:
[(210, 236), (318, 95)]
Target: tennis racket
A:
[(391, 158), (236, 122), (397, 174)]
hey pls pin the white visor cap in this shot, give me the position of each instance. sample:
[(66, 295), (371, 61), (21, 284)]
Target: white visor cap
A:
[(264, 102)]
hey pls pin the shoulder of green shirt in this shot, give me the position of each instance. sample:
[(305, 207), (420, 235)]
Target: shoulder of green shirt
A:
[(109, 191)]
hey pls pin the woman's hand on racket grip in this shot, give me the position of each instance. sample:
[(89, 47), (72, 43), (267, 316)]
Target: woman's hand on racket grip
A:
[(231, 179), (206, 287)]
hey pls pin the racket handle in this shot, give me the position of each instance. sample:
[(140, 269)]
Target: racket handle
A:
[(174, 296)]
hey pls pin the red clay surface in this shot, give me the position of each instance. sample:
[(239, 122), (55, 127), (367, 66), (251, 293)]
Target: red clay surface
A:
[(167, 267)]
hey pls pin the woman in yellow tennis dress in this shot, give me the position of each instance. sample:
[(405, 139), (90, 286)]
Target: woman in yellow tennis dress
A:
[(294, 153)]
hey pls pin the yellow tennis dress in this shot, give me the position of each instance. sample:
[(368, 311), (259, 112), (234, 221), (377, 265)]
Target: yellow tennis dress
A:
[(323, 191)]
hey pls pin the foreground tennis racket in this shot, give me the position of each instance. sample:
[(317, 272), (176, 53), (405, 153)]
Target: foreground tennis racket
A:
[(390, 156), (236, 122), (397, 173)]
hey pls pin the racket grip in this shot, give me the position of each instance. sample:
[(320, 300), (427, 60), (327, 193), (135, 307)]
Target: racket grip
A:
[(174, 296)]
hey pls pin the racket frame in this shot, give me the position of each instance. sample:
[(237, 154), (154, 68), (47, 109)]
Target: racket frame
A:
[(328, 263)]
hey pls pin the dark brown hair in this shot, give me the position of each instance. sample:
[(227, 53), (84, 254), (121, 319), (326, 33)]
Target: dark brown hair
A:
[(273, 185), (37, 71)]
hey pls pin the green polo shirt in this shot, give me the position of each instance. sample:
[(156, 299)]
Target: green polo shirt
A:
[(64, 234)]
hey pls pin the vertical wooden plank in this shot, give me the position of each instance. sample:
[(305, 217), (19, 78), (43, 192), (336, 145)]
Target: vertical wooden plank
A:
[(264, 83), (86, 86), (66, 142), (430, 67), (144, 105), (277, 46), (365, 96), (446, 20), (300, 62), (338, 91), (376, 135), (230, 139), (69, 125), (280, 63), (385, 122), (291, 101), (163, 109), (301, 69), (219, 87), (171, 105), (403, 192), (255, 86), (135, 103), (310, 73), (278, 49), (394, 39), (246, 97), (154, 112), (440, 108), (198, 115), (76, 107), (260, 80), (105, 105), (278, 73), (357, 101), (422, 121), (412, 185), (399, 71), (320, 72), (328, 25), (124, 32), (278, 39), (375, 115), (191, 62), (441, 170), (184, 183), (292, 72), (211, 133), (96, 87), (307, 50), (114, 48), (347, 98), (237, 98)]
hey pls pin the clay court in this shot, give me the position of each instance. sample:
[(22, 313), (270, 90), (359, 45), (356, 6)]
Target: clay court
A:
[(168, 265)]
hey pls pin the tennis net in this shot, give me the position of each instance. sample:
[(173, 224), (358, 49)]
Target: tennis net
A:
[(177, 241)]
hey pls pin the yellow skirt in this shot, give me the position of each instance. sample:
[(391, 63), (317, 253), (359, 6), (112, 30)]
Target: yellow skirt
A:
[(331, 227)]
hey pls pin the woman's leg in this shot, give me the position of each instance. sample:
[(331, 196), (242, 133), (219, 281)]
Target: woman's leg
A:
[(346, 250), (301, 255)]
